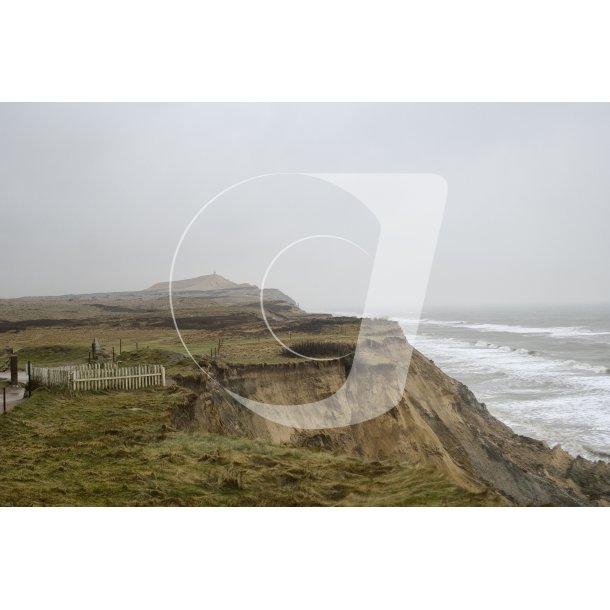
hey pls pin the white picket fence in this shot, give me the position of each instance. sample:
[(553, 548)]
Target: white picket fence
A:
[(100, 376)]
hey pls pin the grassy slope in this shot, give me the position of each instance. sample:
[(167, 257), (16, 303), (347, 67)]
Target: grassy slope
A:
[(119, 449)]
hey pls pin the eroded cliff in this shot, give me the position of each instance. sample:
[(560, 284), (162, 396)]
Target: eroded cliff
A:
[(438, 422)]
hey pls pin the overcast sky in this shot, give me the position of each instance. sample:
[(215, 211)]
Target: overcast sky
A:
[(95, 197)]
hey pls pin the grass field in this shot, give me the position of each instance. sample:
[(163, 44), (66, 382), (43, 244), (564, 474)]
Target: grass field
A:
[(120, 449), (54, 346)]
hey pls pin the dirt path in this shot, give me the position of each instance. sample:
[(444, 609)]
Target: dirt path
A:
[(13, 395)]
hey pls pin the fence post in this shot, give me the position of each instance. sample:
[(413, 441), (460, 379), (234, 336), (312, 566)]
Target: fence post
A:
[(29, 379), (163, 376), (3, 399), (14, 370)]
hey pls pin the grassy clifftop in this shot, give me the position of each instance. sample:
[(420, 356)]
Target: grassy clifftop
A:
[(120, 448)]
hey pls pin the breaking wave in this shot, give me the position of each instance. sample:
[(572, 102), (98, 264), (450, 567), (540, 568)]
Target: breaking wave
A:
[(553, 331), (538, 392)]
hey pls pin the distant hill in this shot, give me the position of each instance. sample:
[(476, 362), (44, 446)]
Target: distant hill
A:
[(201, 283), (217, 289)]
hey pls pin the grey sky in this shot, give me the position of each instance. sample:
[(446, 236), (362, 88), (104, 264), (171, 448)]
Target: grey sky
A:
[(95, 197)]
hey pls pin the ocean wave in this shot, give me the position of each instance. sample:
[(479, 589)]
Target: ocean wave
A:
[(505, 348), (553, 331), (539, 393), (521, 352), (527, 352), (599, 453), (585, 366)]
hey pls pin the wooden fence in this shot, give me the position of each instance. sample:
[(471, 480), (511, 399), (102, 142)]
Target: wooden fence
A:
[(100, 376)]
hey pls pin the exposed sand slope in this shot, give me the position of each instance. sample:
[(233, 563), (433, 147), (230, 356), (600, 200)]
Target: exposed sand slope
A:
[(438, 423)]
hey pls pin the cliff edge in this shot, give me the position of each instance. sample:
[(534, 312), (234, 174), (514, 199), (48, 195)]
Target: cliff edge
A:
[(437, 423)]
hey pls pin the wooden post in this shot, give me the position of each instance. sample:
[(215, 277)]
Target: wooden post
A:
[(3, 399), (14, 371), (120, 346), (163, 376), (113, 353), (29, 378)]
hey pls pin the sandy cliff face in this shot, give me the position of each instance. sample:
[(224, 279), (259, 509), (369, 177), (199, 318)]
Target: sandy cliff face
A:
[(437, 423)]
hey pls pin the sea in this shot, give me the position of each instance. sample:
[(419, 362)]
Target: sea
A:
[(545, 371)]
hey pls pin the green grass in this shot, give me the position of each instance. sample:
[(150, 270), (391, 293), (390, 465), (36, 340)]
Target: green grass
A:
[(53, 355), (120, 449), (58, 355), (56, 346), (174, 362)]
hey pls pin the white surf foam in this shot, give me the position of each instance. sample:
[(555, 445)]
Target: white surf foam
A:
[(559, 401), (553, 331)]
